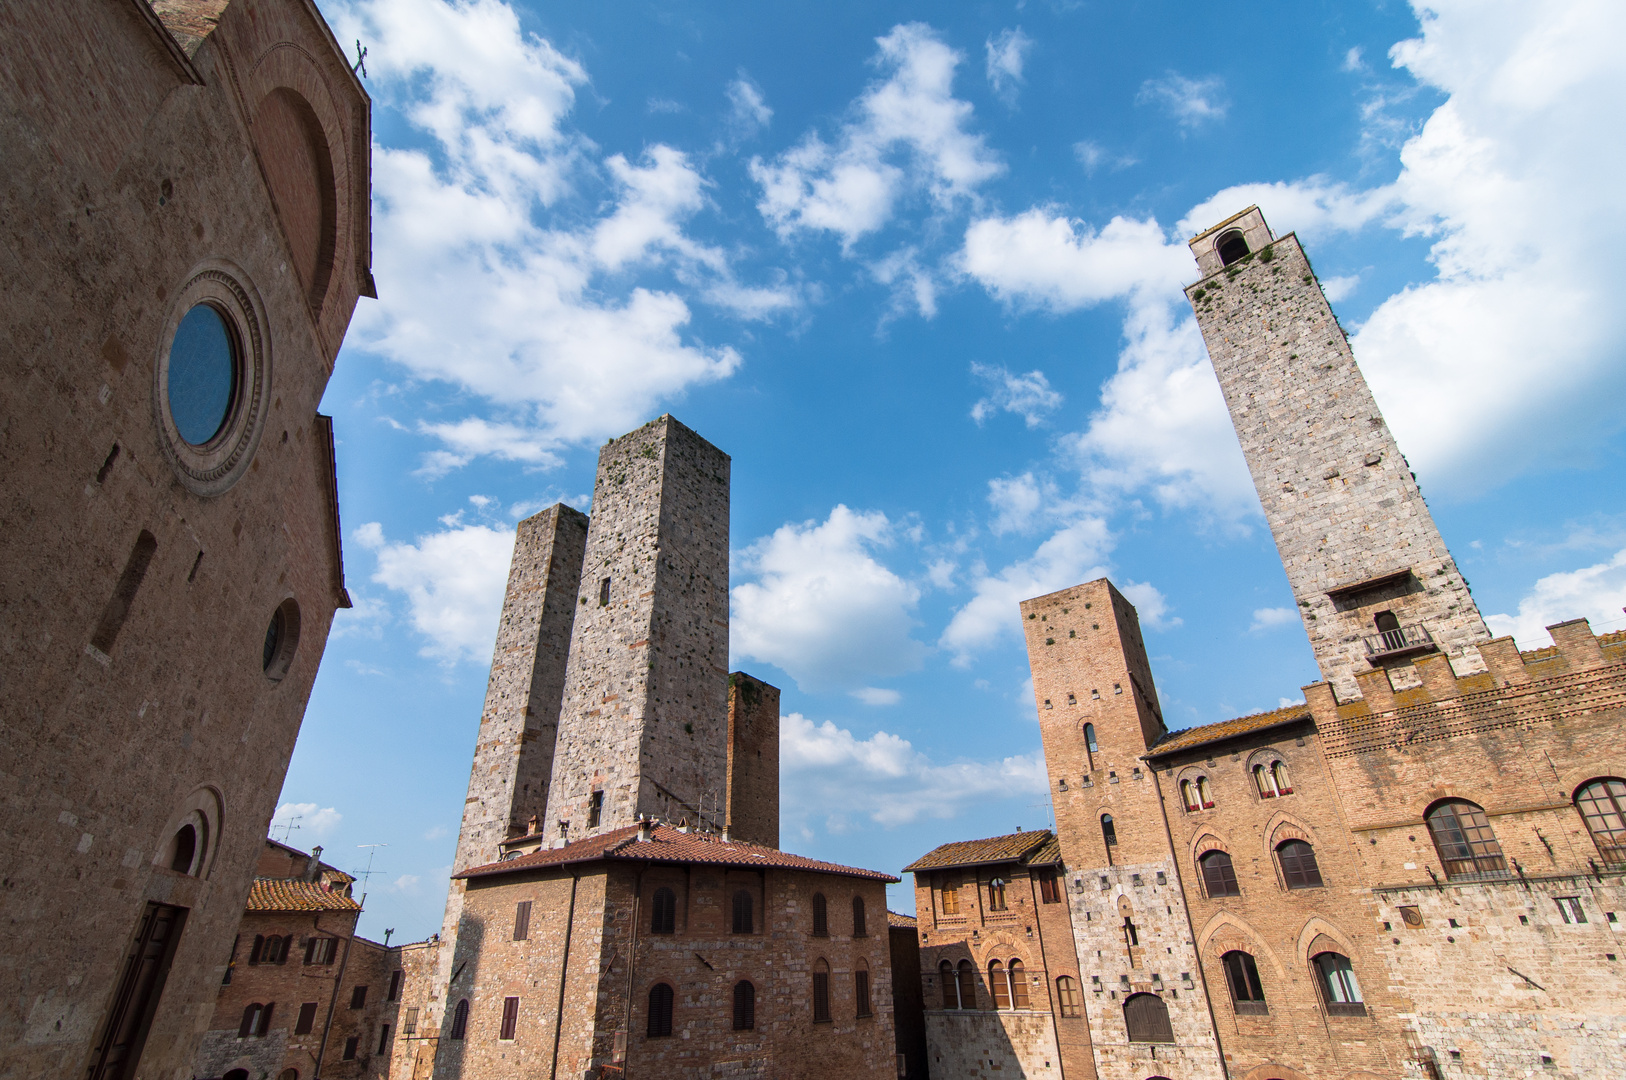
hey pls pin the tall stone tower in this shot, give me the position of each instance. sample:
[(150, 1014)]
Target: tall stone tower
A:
[(644, 726), (1374, 583), (513, 753), (1098, 714)]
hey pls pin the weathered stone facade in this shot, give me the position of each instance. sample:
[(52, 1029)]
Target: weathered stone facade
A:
[(753, 760), (214, 154), (644, 726), (1397, 878), (1355, 535)]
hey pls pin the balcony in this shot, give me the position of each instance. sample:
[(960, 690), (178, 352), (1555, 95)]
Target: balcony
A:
[(1401, 641)]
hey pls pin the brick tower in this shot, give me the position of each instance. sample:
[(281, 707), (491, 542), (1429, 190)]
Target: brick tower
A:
[(513, 753), (1374, 583), (1098, 714), (644, 725)]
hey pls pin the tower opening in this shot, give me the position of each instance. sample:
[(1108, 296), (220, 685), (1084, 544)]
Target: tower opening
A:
[(1231, 247)]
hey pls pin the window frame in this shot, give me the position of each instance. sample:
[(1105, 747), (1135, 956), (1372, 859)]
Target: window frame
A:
[(1610, 840), (509, 1031), (1352, 1005), (861, 999), (1163, 1028), (661, 1009), (860, 917), (1242, 979), (663, 911), (821, 916), (999, 985), (1299, 870), (821, 992), (1464, 842), (965, 977), (1018, 976), (996, 894), (745, 1005), (744, 914), (1225, 873), (1069, 997)]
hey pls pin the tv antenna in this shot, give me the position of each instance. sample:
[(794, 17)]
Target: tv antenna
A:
[(287, 827), (361, 60), (372, 849)]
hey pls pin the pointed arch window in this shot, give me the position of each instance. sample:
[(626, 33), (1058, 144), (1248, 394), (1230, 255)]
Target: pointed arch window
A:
[(1219, 875), (1205, 793), (663, 912), (951, 985), (966, 975), (1068, 997), (1339, 989), (1019, 985), (1602, 804), (660, 1010), (1109, 834), (1299, 868), (821, 916), (1242, 976), (1265, 782), (1463, 837), (821, 992), (998, 984)]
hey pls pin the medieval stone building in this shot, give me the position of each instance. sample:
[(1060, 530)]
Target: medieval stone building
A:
[(619, 904), (1416, 873), (185, 235)]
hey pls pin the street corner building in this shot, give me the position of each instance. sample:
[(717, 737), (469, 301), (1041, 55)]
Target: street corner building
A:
[(186, 234), (619, 905), (1417, 872)]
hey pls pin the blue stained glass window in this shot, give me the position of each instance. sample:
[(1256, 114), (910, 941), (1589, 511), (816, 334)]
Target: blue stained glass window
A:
[(202, 375)]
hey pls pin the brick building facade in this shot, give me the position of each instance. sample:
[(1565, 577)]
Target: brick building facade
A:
[(1419, 872), (186, 233)]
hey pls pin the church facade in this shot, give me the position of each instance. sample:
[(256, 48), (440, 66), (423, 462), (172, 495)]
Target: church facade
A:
[(1416, 873)]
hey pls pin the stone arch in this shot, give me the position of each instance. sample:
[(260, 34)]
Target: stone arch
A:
[(1575, 779), (202, 811), (1318, 927), (1284, 826), (1208, 840), (1224, 920), (1125, 908)]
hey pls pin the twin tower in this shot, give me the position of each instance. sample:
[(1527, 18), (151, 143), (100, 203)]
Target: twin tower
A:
[(610, 697)]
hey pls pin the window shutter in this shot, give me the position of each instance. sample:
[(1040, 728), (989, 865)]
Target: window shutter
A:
[(460, 1019), (660, 1010), (821, 922), (745, 1006), (510, 1017), (861, 988), (358, 998), (259, 947), (859, 929), (997, 983), (522, 920), (251, 1016), (307, 1018), (821, 997), (1019, 985), (265, 1018)]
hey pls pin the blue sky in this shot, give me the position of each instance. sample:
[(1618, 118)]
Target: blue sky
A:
[(917, 268)]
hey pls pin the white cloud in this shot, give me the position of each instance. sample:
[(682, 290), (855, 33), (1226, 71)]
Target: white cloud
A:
[(1151, 606), (1016, 501), (1007, 51), (1072, 555), (822, 608), (750, 112), (1092, 155), (907, 133), (1596, 593), (1028, 396), (454, 582), (1192, 102), (1340, 287), (1042, 259), (1353, 61), (875, 695), (406, 884), (436, 832), (310, 821), (885, 779), (1314, 207), (913, 285), (1268, 618), (482, 284)]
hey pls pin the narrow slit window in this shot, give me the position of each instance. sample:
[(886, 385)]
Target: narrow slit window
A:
[(663, 912), (595, 809), (821, 920), (821, 993), (861, 990), (742, 912), (510, 1019), (604, 593), (522, 920), (124, 593)]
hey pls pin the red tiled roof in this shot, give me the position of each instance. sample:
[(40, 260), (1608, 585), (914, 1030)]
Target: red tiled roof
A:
[(1225, 729), (894, 918), (668, 845), (281, 894), (1012, 847)]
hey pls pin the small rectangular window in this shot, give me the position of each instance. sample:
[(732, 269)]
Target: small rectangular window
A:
[(383, 1037), (821, 997), (350, 1046), (410, 1024), (358, 998), (307, 1018), (395, 985), (510, 1018), (861, 987), (118, 605), (595, 809), (1570, 909), (604, 593), (522, 920)]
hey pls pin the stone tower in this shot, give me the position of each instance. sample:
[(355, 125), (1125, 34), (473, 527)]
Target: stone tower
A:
[(1098, 714), (753, 760), (644, 725), (513, 753), (1374, 583)]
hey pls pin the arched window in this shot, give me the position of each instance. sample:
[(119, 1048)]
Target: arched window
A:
[(821, 917), (950, 891), (1242, 975), (1147, 1019), (861, 989), (1462, 835), (996, 983), (821, 992), (1188, 797), (1231, 247), (1131, 935), (251, 1020), (1109, 833), (258, 950), (1067, 997), (236, 1074), (742, 912), (1205, 793), (967, 976), (1219, 876), (660, 1010), (1089, 739), (996, 894), (1603, 806), (951, 985), (1278, 774), (460, 1019), (185, 847), (1019, 985), (293, 1074), (745, 1006), (860, 929), (1265, 782), (1299, 867), (1339, 988), (663, 912)]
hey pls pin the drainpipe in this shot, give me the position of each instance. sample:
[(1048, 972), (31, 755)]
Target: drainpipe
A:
[(632, 956), (333, 1003), (564, 971)]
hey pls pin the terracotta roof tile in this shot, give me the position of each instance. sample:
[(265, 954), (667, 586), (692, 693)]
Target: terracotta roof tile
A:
[(281, 894), (668, 845), (1049, 855), (894, 918), (1225, 729), (1012, 847)]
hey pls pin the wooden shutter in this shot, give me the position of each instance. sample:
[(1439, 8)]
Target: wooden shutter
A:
[(951, 996), (460, 1019), (745, 1006), (742, 912), (861, 991), (1147, 1019), (859, 929), (1299, 865), (997, 983), (1219, 875), (821, 921), (350, 1046), (146, 967), (522, 920), (821, 997), (1019, 985), (660, 1010), (968, 985), (251, 1018), (264, 1026), (510, 1017), (307, 1018)]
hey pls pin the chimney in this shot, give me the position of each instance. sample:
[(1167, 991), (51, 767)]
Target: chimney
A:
[(313, 865), (531, 828), (646, 829)]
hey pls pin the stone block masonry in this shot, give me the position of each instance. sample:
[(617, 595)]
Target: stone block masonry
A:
[(513, 753), (753, 760), (1355, 536), (644, 725)]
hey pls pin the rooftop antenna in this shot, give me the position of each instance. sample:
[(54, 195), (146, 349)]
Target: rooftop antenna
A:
[(361, 60), (369, 872), (287, 827), (387, 934)]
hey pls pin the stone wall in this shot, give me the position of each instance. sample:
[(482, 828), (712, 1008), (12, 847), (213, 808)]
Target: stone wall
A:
[(645, 714), (1341, 501), (131, 702), (753, 760)]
